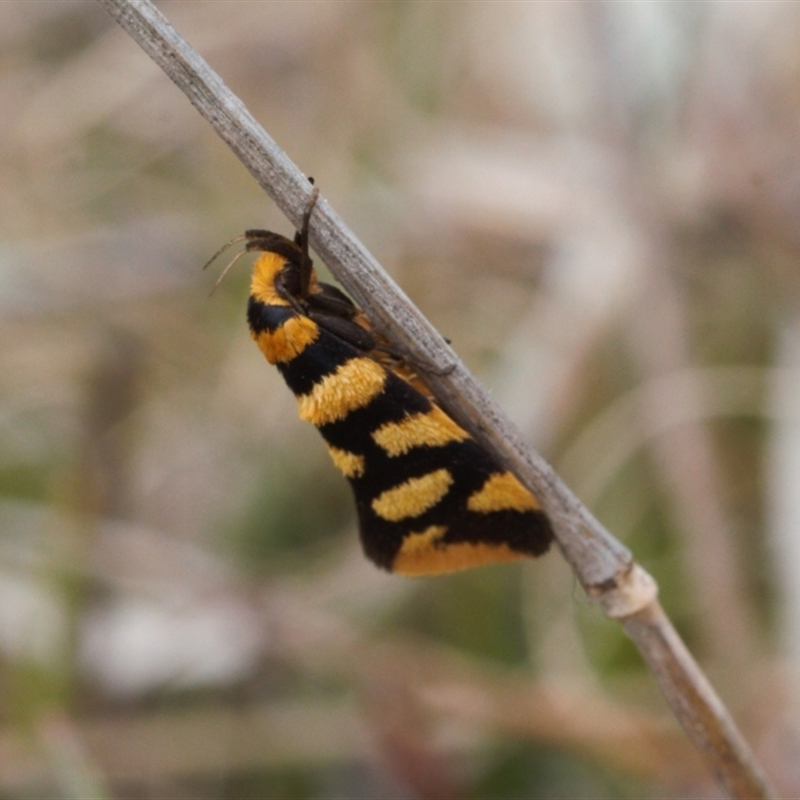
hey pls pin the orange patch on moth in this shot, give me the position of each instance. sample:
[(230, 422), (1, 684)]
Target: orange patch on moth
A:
[(432, 429), (350, 464), (423, 554), (502, 492), (287, 342), (262, 282), (354, 385), (413, 497)]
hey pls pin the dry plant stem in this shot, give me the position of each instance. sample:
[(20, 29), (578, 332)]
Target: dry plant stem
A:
[(703, 715), (604, 567)]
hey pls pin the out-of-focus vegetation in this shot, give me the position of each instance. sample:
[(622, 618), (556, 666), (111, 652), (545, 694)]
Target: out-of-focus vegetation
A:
[(598, 203)]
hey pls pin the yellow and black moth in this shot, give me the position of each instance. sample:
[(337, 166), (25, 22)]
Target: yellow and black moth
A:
[(429, 498)]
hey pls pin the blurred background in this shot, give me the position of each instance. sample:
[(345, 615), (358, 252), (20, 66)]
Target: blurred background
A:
[(598, 203)]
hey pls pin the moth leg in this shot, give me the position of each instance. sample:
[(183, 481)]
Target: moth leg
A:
[(301, 239), (405, 357), (344, 329)]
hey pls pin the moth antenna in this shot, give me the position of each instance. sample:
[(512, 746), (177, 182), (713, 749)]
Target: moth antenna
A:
[(230, 264), (222, 249)]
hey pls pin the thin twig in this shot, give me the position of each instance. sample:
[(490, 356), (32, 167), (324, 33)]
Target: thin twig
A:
[(604, 567)]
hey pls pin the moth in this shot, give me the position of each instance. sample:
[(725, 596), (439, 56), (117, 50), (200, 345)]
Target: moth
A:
[(429, 498)]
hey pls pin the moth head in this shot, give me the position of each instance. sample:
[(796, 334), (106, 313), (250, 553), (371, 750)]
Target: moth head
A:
[(282, 268), (280, 273), (285, 270)]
